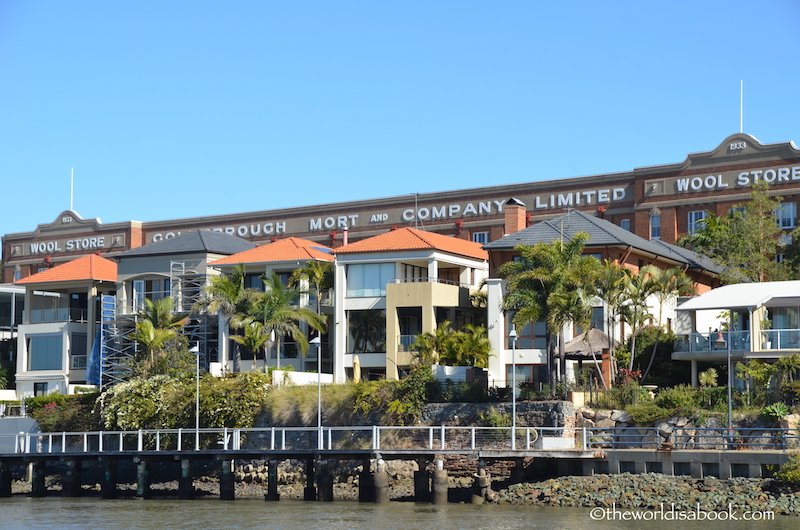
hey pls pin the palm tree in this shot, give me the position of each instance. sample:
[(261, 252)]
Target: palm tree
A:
[(318, 274), (533, 284), (157, 324), (638, 287), (609, 288), (667, 285), (227, 295), (275, 312)]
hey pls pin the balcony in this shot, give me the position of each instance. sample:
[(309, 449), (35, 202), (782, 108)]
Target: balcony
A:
[(780, 339), (65, 314), (710, 345), (406, 343)]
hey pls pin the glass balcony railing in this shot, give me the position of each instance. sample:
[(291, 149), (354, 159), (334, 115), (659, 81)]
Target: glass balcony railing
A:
[(780, 339), (65, 314), (407, 342), (706, 342)]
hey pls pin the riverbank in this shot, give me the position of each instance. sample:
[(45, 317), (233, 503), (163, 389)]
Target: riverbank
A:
[(648, 492), (644, 492)]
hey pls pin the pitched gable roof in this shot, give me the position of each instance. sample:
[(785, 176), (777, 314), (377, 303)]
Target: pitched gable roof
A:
[(289, 249), (86, 268), (413, 239), (202, 241), (602, 233)]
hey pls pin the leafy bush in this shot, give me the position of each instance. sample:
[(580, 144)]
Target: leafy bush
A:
[(678, 397), (58, 412), (647, 413), (790, 471)]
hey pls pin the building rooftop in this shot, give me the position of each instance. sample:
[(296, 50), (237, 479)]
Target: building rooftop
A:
[(86, 268), (289, 249), (602, 233), (413, 239), (746, 295), (202, 241)]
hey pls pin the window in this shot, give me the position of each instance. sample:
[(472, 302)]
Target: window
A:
[(39, 389), (77, 351), (412, 273), (655, 226), (369, 280), (625, 224), (367, 331), (253, 281), (528, 336), (480, 237), (535, 375), (787, 215), (44, 352), (696, 221)]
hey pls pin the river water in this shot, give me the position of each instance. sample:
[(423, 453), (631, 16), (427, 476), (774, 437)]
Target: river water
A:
[(56, 512)]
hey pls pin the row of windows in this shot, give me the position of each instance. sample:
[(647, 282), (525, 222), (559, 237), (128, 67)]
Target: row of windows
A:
[(785, 217)]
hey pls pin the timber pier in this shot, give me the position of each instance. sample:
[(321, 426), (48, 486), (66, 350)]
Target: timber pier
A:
[(556, 451)]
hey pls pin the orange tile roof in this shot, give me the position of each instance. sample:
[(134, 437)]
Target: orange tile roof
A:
[(289, 249), (91, 267), (412, 239)]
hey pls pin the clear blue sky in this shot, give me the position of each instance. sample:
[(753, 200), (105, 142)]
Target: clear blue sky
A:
[(171, 109)]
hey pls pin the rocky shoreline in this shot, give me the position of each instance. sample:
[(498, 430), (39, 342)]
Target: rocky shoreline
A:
[(650, 491)]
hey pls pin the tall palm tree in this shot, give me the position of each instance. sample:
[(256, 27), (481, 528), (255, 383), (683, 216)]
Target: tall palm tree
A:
[(667, 285), (156, 325), (609, 288), (318, 274), (226, 295), (533, 283), (276, 312), (638, 287)]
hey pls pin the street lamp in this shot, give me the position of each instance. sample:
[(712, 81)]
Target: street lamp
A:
[(513, 336), (720, 342), (317, 341), (196, 352)]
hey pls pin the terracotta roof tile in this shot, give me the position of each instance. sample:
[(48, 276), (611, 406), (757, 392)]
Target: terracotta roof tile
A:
[(412, 239), (91, 267), (289, 249)]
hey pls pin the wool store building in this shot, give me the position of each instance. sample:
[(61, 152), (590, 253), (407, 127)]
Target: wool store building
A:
[(658, 202)]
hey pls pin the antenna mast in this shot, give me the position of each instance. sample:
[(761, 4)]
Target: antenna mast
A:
[(741, 104)]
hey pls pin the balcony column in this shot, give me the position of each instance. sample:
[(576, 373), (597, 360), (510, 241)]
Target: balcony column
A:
[(433, 269), (694, 373), (91, 319)]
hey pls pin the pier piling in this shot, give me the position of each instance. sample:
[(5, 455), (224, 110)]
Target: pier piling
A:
[(226, 486), (272, 482), (71, 483), (422, 482), (186, 482), (143, 480), (108, 488), (38, 488), (439, 484), (380, 481)]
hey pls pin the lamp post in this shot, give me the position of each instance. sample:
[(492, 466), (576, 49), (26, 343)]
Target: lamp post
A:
[(196, 352), (317, 341), (513, 336), (719, 342)]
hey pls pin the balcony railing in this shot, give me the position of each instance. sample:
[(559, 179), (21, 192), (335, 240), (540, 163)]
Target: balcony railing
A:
[(65, 314), (780, 339), (715, 341), (431, 280), (407, 342)]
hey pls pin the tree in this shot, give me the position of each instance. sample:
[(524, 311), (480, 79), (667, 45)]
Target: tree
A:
[(318, 274), (609, 288), (226, 295), (155, 333), (745, 241), (666, 285), (534, 281), (468, 347), (638, 287), (276, 312)]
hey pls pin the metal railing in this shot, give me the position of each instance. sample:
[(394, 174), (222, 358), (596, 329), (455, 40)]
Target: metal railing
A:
[(63, 314), (715, 341), (358, 438), (428, 279), (780, 339), (692, 438)]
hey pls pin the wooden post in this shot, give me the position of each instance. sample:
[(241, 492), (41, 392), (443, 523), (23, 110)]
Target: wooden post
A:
[(143, 480), (5, 480), (108, 488), (186, 481), (72, 480), (38, 489), (272, 482), (325, 482), (310, 492), (422, 482), (226, 486), (366, 484)]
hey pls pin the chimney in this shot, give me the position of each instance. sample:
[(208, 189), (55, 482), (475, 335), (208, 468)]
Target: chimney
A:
[(515, 215), (344, 236)]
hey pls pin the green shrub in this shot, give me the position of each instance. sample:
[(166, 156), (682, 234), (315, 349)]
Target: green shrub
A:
[(774, 412), (790, 471), (678, 397), (647, 413), (58, 412)]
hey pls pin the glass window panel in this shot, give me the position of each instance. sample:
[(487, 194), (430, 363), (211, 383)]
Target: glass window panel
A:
[(44, 352)]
